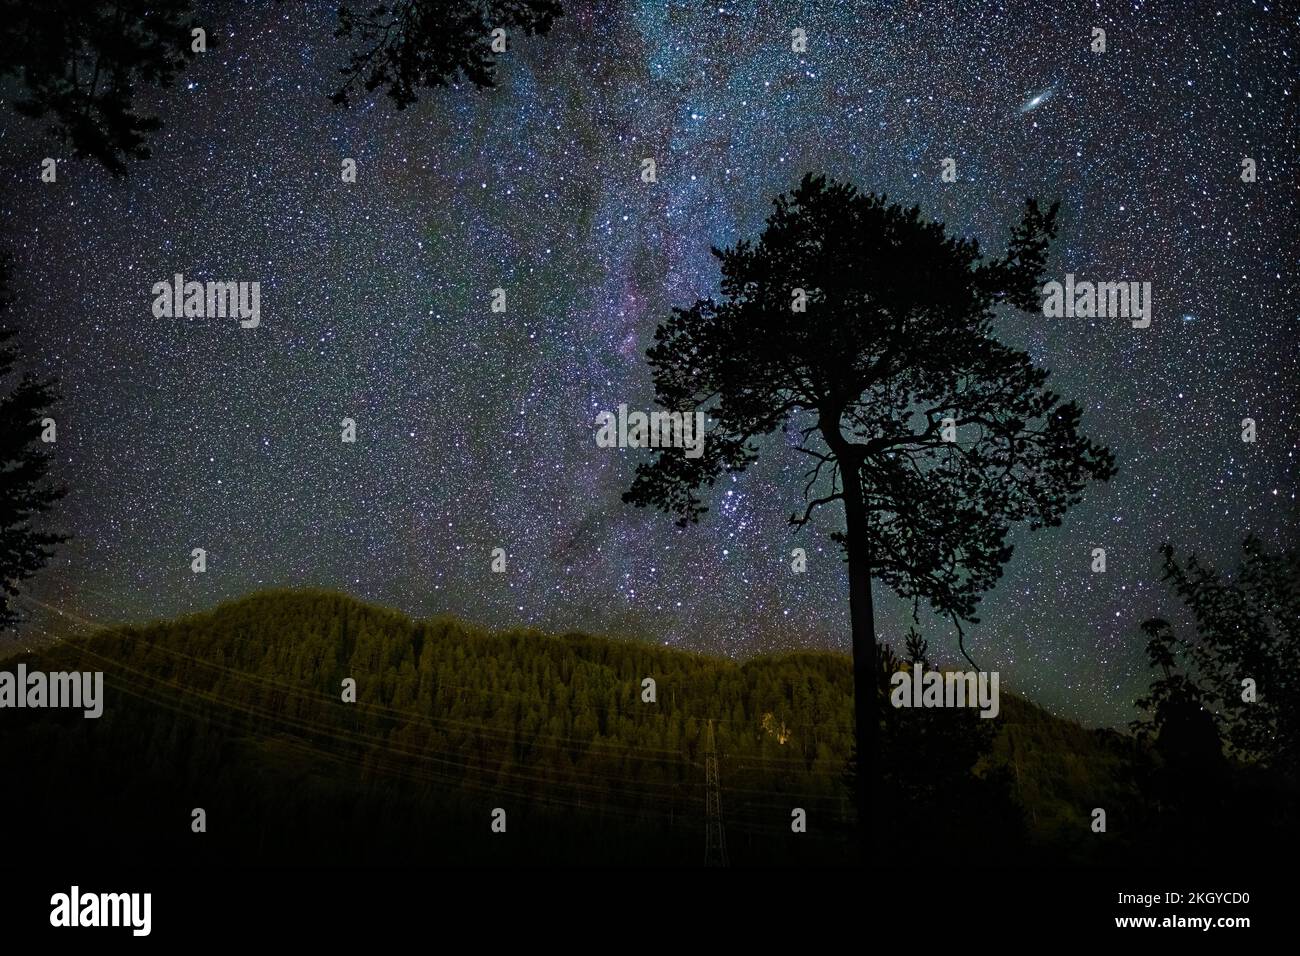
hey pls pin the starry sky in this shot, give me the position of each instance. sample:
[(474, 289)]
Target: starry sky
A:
[(476, 429)]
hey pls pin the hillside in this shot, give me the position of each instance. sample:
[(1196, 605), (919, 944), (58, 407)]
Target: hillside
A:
[(240, 711)]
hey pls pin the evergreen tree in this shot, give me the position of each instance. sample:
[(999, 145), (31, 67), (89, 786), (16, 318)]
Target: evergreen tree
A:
[(865, 333), (26, 491)]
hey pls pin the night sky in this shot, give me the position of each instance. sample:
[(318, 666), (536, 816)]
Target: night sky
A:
[(476, 429)]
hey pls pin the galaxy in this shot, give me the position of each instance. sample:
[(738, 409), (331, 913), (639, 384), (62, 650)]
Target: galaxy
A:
[(1038, 99), (476, 429)]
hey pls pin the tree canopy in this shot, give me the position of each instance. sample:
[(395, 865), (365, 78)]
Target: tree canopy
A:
[(895, 341), (1246, 627), (413, 44), (81, 62)]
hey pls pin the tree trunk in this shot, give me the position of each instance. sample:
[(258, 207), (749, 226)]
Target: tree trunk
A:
[(862, 615)]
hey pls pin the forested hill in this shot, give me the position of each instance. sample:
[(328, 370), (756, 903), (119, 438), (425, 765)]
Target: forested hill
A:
[(242, 711)]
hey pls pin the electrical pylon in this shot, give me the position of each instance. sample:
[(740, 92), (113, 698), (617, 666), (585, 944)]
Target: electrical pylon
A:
[(715, 837)]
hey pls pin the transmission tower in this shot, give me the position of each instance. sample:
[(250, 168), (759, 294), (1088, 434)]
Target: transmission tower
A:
[(715, 838)]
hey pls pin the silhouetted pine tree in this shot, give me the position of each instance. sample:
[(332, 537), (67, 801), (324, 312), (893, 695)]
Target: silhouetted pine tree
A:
[(894, 337)]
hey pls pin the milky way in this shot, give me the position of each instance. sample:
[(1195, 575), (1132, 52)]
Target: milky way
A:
[(475, 428)]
